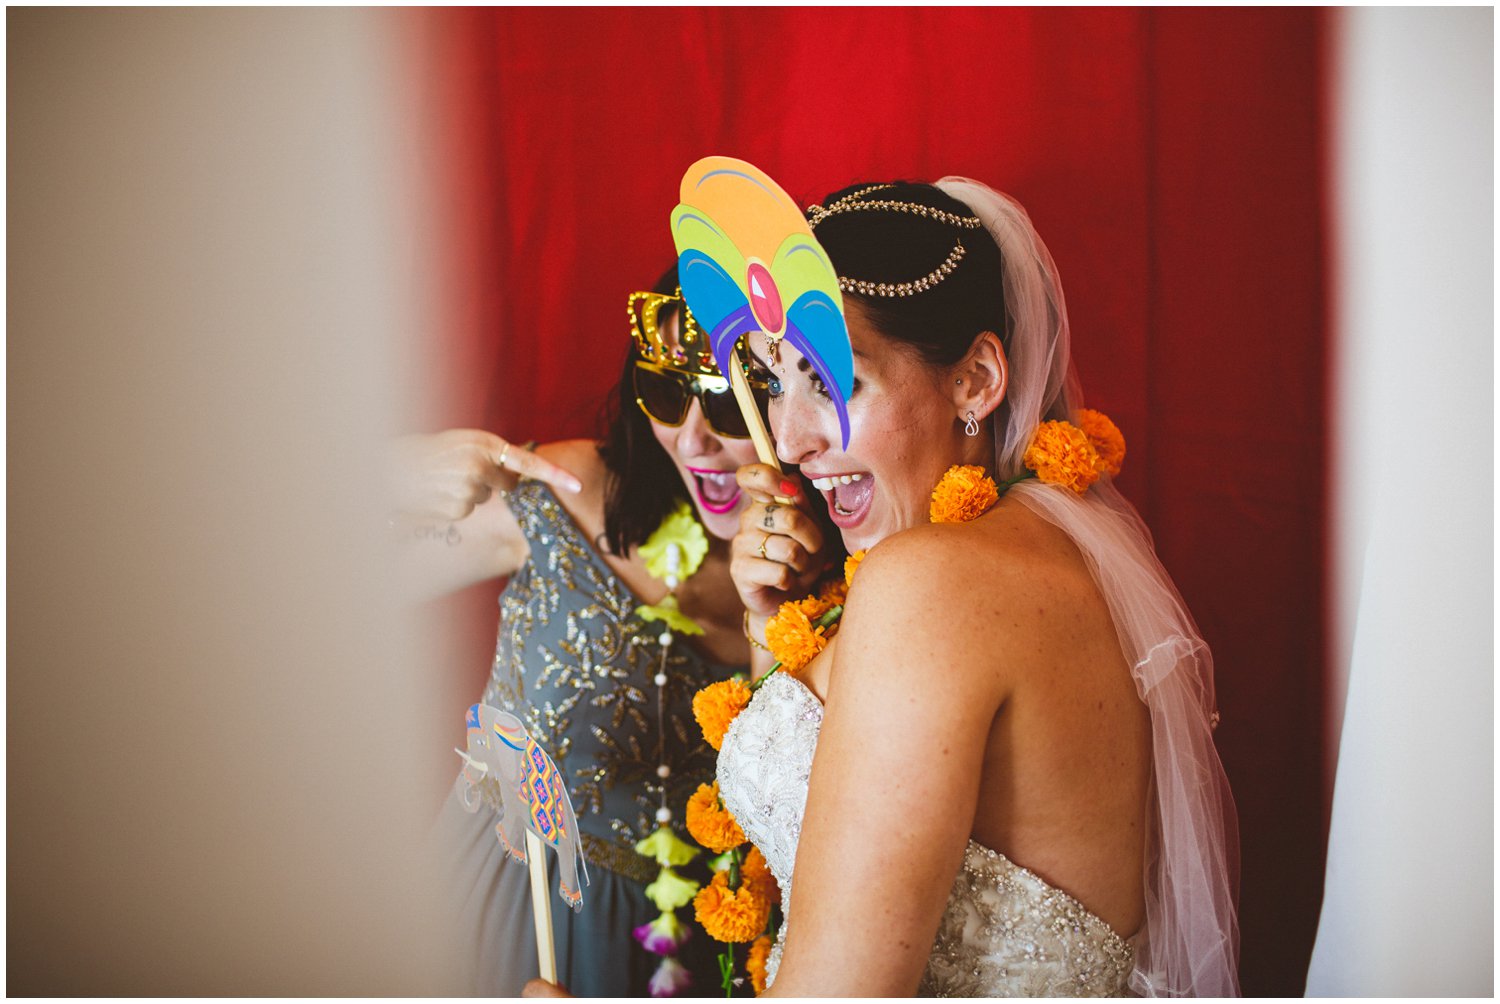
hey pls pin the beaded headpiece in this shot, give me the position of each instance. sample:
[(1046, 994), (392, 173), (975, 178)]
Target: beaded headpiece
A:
[(854, 202), (691, 354)]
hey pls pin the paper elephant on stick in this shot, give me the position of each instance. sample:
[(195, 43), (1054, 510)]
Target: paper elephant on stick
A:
[(506, 768)]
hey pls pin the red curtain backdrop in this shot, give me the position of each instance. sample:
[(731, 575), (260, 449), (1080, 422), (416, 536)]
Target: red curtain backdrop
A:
[(1172, 162)]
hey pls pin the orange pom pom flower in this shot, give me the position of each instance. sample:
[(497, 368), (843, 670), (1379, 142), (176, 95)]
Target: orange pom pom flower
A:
[(833, 593), (813, 606), (792, 638), (851, 564), (1106, 439), (1061, 454), (732, 915), (963, 494), (710, 823), (754, 871), (755, 965), (716, 705)]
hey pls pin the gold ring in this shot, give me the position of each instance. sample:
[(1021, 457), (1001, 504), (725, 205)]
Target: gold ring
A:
[(503, 451), (762, 550)]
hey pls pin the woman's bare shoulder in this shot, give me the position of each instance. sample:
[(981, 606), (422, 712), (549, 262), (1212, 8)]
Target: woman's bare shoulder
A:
[(1008, 548), (1009, 580), (579, 457)]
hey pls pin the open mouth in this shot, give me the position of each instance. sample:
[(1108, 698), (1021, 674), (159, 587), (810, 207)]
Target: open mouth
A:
[(848, 497), (717, 490)]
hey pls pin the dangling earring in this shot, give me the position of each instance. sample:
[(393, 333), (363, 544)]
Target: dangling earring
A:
[(971, 427)]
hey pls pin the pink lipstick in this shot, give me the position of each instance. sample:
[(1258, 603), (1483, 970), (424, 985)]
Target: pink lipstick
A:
[(717, 490)]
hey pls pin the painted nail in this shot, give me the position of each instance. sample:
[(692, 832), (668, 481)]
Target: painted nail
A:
[(788, 488)]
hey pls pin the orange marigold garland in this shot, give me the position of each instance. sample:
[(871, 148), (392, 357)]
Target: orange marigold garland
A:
[(755, 965), (716, 705), (732, 915), (1074, 456), (792, 636), (963, 494), (1061, 454), (710, 823), (756, 872), (735, 907), (851, 564), (813, 606), (1106, 439)]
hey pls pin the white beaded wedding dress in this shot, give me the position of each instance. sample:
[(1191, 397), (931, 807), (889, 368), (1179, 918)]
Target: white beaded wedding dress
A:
[(1005, 932)]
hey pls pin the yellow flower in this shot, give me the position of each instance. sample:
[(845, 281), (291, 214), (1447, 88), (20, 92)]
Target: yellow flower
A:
[(1106, 439), (755, 965), (670, 890), (962, 494), (851, 563), (1061, 454), (679, 533), (671, 614), (792, 638), (710, 823), (731, 915), (666, 847), (716, 705)]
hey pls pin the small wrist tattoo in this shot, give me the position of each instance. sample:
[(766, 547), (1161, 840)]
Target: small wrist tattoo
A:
[(448, 535)]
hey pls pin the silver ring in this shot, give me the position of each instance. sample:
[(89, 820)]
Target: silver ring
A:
[(503, 451)]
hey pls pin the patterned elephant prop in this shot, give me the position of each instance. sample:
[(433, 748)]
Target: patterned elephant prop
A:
[(505, 768)]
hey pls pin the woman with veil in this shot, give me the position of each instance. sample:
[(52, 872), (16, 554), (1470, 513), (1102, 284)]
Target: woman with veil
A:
[(1015, 788)]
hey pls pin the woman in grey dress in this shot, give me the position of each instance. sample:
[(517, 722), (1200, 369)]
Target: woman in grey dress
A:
[(573, 658)]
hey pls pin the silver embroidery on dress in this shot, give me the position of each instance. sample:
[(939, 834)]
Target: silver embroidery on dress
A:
[(575, 664), (1005, 932)]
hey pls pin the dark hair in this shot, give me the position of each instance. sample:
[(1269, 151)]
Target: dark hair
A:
[(885, 246), (641, 484)]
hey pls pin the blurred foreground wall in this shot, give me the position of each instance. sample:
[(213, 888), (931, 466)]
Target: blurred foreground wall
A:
[(1408, 907), (218, 773)]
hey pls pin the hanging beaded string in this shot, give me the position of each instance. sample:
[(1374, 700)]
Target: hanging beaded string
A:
[(663, 770), (672, 554)]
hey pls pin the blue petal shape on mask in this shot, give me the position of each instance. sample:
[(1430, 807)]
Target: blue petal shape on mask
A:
[(815, 328)]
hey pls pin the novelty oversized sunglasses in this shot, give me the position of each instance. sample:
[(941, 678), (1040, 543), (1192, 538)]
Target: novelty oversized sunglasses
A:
[(665, 395)]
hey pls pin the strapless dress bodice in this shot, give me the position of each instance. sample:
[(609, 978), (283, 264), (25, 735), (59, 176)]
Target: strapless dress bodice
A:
[(1004, 932)]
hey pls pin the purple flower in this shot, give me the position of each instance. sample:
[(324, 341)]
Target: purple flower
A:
[(664, 935), (671, 978)]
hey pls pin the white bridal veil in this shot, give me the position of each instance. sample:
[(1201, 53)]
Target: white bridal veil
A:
[(1189, 945)]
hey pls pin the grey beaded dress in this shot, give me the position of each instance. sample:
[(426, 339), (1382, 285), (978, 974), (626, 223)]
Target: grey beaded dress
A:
[(1004, 932), (576, 665)]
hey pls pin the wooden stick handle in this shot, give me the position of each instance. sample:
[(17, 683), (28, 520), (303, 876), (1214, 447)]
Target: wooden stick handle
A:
[(541, 907), (759, 434)]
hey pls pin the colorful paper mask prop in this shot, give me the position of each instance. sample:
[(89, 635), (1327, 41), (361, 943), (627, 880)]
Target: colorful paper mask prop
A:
[(507, 765), (748, 261)]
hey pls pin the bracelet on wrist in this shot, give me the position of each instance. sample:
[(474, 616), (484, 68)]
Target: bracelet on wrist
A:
[(745, 624)]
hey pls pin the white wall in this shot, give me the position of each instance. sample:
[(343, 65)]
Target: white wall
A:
[(1408, 906), (216, 779)]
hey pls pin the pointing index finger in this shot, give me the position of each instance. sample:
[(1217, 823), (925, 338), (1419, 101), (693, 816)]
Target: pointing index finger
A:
[(511, 457)]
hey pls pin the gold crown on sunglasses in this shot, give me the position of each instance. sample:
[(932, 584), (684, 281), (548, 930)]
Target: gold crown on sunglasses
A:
[(691, 354)]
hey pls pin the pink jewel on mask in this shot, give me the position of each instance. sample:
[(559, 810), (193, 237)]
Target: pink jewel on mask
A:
[(765, 298)]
